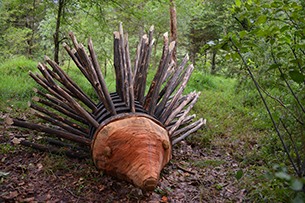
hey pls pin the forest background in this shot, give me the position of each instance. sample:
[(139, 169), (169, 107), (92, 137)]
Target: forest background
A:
[(249, 59)]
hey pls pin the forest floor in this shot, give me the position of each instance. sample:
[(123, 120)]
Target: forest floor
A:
[(195, 174)]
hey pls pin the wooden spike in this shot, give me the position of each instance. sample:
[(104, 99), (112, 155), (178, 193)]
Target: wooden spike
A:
[(165, 49), (63, 75), (189, 132), (55, 122), (51, 131), (45, 86), (60, 109), (92, 74), (129, 74), (169, 87), (177, 132), (118, 70), (76, 61), (124, 66), (139, 78), (66, 145), (169, 71), (184, 114), (66, 82), (73, 38), (187, 120), (175, 112), (57, 117), (153, 93), (58, 102), (137, 59), (53, 150), (100, 77), (78, 108), (173, 77), (167, 111)]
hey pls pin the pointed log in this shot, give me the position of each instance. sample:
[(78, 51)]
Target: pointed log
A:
[(41, 83), (61, 110), (75, 105), (140, 79), (51, 131), (57, 117), (55, 122), (124, 66), (100, 77), (152, 95), (175, 112), (174, 76), (66, 145), (129, 74), (53, 150), (189, 132), (117, 66), (76, 92), (73, 38), (167, 111), (182, 130), (76, 61), (169, 71), (178, 123), (169, 87)]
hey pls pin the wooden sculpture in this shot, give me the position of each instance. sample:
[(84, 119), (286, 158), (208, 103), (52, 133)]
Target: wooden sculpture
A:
[(129, 134)]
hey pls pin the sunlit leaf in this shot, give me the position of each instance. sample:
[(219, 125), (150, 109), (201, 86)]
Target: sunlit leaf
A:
[(261, 19), (238, 3), (227, 57), (242, 34)]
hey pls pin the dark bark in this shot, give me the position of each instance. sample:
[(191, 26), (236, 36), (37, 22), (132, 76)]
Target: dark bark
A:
[(213, 62), (173, 28), (56, 34)]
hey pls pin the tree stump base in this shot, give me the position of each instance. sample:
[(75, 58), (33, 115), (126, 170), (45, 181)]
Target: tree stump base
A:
[(134, 149)]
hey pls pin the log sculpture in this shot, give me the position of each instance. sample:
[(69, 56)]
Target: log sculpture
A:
[(129, 134)]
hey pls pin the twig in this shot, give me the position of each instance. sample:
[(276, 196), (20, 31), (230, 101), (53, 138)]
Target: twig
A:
[(282, 75), (283, 105), (264, 101)]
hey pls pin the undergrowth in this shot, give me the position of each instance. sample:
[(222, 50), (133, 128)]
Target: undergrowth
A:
[(236, 122)]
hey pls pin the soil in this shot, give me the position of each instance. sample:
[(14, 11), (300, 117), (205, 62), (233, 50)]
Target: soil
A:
[(195, 174)]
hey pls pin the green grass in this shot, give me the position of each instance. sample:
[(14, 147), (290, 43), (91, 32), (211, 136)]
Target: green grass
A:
[(15, 84)]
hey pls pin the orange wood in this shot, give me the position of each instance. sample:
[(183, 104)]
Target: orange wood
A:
[(134, 149)]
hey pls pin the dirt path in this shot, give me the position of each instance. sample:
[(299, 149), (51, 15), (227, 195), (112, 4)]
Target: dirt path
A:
[(193, 175)]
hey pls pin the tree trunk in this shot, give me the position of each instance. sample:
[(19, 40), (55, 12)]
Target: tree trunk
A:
[(213, 62), (173, 28), (192, 45), (105, 69), (56, 34)]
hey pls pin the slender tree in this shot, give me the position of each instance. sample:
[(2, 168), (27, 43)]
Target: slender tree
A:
[(173, 27)]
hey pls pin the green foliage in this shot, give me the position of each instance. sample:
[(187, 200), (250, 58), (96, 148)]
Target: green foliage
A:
[(270, 48)]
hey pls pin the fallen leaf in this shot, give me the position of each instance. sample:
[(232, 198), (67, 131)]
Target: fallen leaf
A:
[(30, 199), (12, 195), (2, 174), (164, 199), (43, 198)]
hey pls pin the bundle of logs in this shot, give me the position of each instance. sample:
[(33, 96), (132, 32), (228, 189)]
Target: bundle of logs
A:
[(129, 135)]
